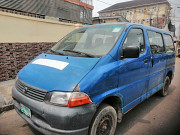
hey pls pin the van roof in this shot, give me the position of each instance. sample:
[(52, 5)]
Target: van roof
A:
[(131, 24)]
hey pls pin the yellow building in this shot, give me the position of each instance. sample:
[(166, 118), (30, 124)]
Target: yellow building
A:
[(149, 12)]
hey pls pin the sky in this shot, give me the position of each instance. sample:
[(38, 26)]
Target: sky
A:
[(102, 4)]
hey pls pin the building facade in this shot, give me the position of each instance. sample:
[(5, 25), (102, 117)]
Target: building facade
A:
[(72, 11), (148, 12)]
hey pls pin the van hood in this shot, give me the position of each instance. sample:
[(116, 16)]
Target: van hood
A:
[(56, 72)]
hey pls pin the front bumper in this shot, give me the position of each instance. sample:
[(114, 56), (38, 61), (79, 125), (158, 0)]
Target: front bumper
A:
[(51, 119)]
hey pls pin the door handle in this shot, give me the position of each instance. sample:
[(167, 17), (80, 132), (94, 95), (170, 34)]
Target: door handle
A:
[(152, 61), (146, 61)]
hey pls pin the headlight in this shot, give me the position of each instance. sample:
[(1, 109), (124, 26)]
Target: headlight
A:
[(69, 99), (60, 98)]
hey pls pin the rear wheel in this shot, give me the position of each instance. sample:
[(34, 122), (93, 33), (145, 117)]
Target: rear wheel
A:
[(104, 121), (165, 88)]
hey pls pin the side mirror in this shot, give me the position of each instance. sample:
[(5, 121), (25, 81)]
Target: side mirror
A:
[(131, 52)]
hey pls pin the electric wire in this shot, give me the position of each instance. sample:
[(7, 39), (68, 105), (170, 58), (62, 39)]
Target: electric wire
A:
[(104, 2)]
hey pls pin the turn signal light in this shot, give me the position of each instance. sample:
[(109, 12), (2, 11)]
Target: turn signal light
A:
[(78, 98)]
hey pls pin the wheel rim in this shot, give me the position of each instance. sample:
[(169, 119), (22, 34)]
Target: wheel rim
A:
[(166, 86), (104, 126)]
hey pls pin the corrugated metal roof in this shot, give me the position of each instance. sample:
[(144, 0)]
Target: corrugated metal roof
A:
[(52, 8), (130, 4)]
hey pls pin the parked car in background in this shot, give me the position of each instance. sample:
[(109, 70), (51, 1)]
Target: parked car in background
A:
[(93, 76)]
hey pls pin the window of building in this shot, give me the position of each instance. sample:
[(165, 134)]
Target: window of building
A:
[(154, 8), (135, 37), (117, 13), (142, 10), (156, 42), (142, 21), (81, 15), (104, 14), (147, 20), (149, 9), (169, 43), (139, 10)]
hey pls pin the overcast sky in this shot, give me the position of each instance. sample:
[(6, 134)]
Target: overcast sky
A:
[(101, 4)]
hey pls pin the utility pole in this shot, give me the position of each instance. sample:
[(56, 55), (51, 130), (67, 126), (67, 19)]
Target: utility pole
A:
[(179, 26), (179, 32), (174, 16), (157, 20), (150, 20)]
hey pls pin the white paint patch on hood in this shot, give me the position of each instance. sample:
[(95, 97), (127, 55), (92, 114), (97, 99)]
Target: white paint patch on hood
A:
[(51, 63)]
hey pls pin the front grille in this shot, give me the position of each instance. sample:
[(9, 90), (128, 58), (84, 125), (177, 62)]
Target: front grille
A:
[(31, 92)]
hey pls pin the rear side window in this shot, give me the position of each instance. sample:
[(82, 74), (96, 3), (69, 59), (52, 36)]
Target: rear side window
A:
[(135, 37), (169, 43), (156, 42)]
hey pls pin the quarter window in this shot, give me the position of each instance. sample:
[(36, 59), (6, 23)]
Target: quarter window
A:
[(169, 43), (156, 42), (135, 37)]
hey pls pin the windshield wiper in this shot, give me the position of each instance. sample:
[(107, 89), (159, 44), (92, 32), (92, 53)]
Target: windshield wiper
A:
[(58, 53), (89, 55)]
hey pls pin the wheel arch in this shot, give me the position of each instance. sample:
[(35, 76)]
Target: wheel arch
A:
[(116, 103), (170, 75)]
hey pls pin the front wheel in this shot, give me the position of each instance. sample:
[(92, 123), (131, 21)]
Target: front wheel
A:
[(165, 88), (104, 121)]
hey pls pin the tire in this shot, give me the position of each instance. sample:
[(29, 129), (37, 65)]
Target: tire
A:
[(164, 91), (104, 121)]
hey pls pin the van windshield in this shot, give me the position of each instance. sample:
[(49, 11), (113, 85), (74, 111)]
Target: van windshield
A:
[(95, 41)]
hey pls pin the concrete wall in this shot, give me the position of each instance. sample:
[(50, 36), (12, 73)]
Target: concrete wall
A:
[(18, 28), (22, 38)]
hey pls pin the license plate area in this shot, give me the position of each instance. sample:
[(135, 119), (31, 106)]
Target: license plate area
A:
[(25, 110)]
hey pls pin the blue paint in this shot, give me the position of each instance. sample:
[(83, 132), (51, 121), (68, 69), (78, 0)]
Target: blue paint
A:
[(130, 79), (141, 98), (50, 79), (154, 90)]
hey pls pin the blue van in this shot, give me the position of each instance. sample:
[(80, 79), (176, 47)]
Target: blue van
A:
[(88, 80)]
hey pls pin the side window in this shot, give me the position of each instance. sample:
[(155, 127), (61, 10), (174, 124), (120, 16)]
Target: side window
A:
[(169, 43), (156, 42), (135, 37)]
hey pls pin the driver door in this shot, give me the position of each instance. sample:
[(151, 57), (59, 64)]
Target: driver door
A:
[(133, 72)]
